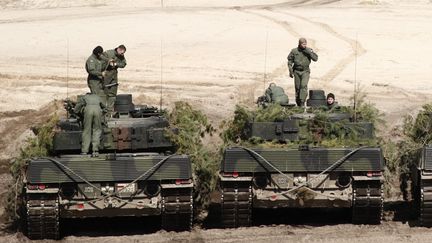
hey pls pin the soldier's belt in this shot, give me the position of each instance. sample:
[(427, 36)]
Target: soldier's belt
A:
[(299, 68)]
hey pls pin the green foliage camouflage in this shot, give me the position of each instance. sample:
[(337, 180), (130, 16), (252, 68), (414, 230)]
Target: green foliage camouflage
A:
[(192, 126), (38, 146), (363, 110), (415, 133), (318, 130)]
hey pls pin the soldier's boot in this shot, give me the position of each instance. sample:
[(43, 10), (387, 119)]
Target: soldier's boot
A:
[(95, 154)]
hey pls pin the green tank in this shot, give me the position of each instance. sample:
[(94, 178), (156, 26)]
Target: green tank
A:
[(284, 169), (136, 174)]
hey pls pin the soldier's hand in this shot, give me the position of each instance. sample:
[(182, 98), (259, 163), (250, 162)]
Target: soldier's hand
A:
[(291, 75), (308, 50), (103, 74)]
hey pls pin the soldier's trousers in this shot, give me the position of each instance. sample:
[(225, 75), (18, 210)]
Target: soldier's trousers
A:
[(301, 79), (111, 92), (92, 130)]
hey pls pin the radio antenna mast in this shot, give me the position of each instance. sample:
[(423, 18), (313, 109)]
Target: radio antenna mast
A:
[(355, 81), (161, 73), (265, 61), (67, 73)]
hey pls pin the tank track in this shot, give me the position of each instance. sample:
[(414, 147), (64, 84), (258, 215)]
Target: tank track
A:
[(236, 204), (368, 198), (426, 203), (42, 216), (177, 209)]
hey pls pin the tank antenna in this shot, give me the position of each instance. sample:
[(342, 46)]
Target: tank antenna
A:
[(67, 73), (265, 61), (161, 73), (355, 81)]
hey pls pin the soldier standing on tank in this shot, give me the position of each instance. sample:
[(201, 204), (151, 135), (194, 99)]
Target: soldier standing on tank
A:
[(299, 60), (92, 107), (96, 72), (114, 59), (276, 94)]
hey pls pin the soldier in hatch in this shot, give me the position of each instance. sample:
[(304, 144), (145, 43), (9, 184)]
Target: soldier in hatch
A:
[(91, 106), (96, 72), (299, 60), (275, 94), (331, 102), (114, 59)]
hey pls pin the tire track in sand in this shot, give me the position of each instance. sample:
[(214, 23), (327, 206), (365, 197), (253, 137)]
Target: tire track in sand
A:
[(339, 66), (356, 48)]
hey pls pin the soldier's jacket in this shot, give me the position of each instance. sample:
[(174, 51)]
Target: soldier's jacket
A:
[(94, 68), (299, 60), (91, 101), (333, 106), (119, 60), (276, 94)]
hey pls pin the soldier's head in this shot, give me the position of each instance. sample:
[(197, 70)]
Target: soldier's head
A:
[(120, 50), (330, 99), (97, 51), (302, 43)]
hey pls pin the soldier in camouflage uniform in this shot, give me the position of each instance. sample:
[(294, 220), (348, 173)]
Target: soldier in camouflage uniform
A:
[(331, 103), (95, 69), (299, 60), (92, 107), (114, 59), (275, 94)]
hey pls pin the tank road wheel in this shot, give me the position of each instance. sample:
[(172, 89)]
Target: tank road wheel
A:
[(426, 203), (236, 204), (177, 209), (42, 216), (367, 202)]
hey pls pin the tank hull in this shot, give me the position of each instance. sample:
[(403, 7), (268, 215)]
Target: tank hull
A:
[(111, 185), (292, 178)]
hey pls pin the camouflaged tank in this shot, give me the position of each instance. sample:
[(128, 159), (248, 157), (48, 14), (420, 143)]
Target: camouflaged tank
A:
[(136, 174), (291, 173)]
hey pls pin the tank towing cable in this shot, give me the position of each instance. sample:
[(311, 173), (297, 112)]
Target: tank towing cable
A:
[(104, 194), (289, 193)]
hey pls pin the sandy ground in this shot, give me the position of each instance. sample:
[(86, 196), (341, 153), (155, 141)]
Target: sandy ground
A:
[(215, 54)]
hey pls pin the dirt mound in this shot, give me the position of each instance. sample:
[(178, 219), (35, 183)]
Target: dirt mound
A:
[(15, 128)]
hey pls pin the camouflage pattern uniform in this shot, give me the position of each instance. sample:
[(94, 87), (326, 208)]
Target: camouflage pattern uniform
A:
[(298, 65), (111, 76), (91, 106), (276, 94), (95, 67)]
